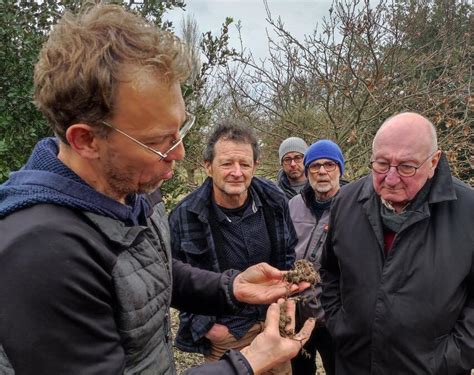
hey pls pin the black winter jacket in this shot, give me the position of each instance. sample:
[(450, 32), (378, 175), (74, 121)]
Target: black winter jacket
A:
[(411, 312)]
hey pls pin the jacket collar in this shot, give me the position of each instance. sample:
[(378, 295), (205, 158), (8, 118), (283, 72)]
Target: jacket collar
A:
[(202, 200), (264, 191), (283, 178), (442, 188)]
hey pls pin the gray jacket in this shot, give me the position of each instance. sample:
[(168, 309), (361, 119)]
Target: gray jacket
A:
[(112, 281), (310, 231), (311, 234), (142, 322)]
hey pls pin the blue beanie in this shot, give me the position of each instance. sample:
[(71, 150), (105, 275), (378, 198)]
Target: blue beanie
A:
[(323, 149)]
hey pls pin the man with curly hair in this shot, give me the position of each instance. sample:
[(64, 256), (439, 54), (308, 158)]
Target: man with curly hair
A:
[(86, 275)]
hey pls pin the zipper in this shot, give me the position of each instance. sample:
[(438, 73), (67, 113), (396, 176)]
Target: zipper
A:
[(320, 241)]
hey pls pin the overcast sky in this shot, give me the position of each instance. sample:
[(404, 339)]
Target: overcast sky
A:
[(299, 16)]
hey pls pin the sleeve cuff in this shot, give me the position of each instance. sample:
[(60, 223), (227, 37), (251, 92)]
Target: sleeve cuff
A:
[(231, 275)]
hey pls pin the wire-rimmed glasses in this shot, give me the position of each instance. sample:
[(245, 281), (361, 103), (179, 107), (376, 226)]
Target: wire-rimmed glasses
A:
[(188, 124), (404, 170)]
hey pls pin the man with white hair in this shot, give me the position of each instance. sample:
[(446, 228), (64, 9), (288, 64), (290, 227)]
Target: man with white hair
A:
[(310, 210)]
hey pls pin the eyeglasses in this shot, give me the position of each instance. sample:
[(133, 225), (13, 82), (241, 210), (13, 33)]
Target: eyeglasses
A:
[(329, 166), (188, 124), (297, 159), (404, 170)]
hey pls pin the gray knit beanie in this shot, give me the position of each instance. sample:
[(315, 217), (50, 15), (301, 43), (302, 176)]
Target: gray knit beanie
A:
[(292, 144)]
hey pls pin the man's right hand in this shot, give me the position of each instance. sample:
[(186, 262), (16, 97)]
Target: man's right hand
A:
[(269, 348)]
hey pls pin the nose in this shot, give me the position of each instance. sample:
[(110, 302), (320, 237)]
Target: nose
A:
[(322, 170), (293, 162), (392, 177), (236, 171), (177, 153)]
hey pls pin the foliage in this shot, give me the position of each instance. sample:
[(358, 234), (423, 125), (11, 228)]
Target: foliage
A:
[(358, 67), (201, 99), (20, 125), (365, 65), (25, 25)]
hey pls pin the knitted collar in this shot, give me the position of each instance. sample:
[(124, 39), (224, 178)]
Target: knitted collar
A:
[(394, 221)]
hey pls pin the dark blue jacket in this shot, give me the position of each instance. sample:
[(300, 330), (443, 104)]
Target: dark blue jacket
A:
[(192, 242)]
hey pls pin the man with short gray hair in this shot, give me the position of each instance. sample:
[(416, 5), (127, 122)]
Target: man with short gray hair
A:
[(310, 211)]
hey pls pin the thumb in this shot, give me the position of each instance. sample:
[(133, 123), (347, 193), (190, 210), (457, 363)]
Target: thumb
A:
[(272, 272)]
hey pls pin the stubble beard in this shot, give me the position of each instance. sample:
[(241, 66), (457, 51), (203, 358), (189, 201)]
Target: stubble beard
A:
[(295, 175), (121, 182), (323, 188)]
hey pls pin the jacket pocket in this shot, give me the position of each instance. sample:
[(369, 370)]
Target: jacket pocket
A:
[(198, 247), (198, 255)]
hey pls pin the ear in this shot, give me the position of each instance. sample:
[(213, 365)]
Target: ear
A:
[(255, 165), (434, 162), (83, 140), (208, 168)]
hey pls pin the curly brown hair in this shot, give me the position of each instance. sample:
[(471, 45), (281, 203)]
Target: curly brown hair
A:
[(87, 56)]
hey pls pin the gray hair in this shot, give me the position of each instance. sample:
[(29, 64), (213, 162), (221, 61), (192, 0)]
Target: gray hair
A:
[(231, 130)]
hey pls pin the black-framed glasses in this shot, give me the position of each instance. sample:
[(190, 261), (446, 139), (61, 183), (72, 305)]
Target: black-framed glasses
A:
[(188, 124), (329, 166), (297, 159), (404, 170)]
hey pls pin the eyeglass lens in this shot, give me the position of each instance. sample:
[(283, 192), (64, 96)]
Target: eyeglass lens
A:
[(296, 159), (328, 166)]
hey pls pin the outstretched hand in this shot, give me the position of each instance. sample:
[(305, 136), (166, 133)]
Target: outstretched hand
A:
[(269, 348), (263, 284)]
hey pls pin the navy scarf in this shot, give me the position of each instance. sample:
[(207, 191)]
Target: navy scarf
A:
[(45, 179)]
